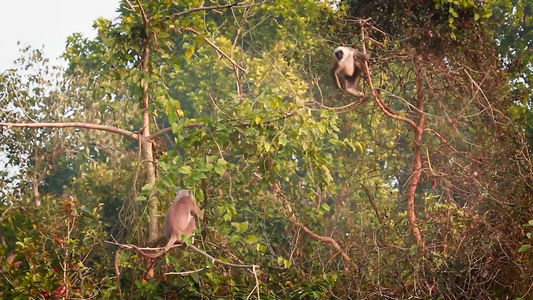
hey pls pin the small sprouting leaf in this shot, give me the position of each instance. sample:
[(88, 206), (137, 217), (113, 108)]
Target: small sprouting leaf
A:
[(524, 248), (324, 206), (267, 146), (287, 263), (476, 17)]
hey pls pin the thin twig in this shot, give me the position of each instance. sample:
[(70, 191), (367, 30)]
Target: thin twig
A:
[(216, 48)]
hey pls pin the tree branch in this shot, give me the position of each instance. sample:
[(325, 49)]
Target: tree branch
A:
[(216, 48), (181, 13), (169, 129), (154, 255), (121, 131), (325, 239), (384, 107)]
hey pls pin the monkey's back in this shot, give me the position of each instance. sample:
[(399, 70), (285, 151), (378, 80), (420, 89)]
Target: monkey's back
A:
[(178, 219)]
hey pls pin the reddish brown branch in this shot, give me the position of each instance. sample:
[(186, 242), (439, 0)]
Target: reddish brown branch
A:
[(73, 124), (417, 152), (316, 237), (417, 161)]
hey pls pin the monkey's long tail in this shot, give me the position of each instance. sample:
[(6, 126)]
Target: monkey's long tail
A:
[(157, 241)]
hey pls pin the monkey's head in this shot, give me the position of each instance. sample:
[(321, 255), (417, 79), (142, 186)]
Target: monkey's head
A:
[(186, 196), (184, 193), (338, 53)]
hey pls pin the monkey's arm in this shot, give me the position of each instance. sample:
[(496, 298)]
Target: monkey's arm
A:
[(361, 55), (197, 212), (333, 72)]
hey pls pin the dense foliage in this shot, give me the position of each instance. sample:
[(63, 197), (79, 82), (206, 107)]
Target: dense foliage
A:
[(422, 188)]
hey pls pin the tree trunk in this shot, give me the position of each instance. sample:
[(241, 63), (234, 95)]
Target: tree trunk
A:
[(146, 148)]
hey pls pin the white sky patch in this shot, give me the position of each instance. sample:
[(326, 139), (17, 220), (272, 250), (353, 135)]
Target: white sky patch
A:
[(49, 23)]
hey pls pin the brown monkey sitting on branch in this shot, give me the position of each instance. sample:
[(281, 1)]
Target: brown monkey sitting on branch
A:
[(351, 63), (179, 220)]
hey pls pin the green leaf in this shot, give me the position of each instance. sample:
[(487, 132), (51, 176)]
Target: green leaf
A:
[(287, 264), (242, 227), (147, 188), (524, 248), (282, 140), (220, 169), (186, 170), (476, 17), (198, 176), (487, 14), (251, 239), (140, 198), (190, 52), (176, 128), (413, 249), (324, 206)]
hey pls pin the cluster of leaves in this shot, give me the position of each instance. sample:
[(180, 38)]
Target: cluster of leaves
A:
[(58, 251)]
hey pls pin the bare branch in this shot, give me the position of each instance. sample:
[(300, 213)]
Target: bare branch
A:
[(121, 131)]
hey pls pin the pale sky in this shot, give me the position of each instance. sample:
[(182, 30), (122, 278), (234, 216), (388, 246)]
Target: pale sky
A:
[(49, 23)]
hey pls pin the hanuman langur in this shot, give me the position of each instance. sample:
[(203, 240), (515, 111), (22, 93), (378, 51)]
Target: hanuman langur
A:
[(351, 63), (179, 220)]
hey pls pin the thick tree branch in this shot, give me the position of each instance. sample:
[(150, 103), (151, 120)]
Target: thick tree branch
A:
[(121, 131), (417, 161), (417, 153)]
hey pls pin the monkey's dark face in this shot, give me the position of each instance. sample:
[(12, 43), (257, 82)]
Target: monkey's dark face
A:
[(339, 54)]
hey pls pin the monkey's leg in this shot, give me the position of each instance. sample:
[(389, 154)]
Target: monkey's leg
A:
[(173, 238), (350, 86)]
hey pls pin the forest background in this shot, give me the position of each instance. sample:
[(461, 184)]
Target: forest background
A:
[(421, 189)]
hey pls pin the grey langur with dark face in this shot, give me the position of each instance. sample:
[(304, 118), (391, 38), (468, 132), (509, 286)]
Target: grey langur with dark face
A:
[(179, 220), (351, 63)]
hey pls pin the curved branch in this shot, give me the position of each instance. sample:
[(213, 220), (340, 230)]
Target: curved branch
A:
[(191, 247), (384, 107), (121, 131), (325, 239)]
